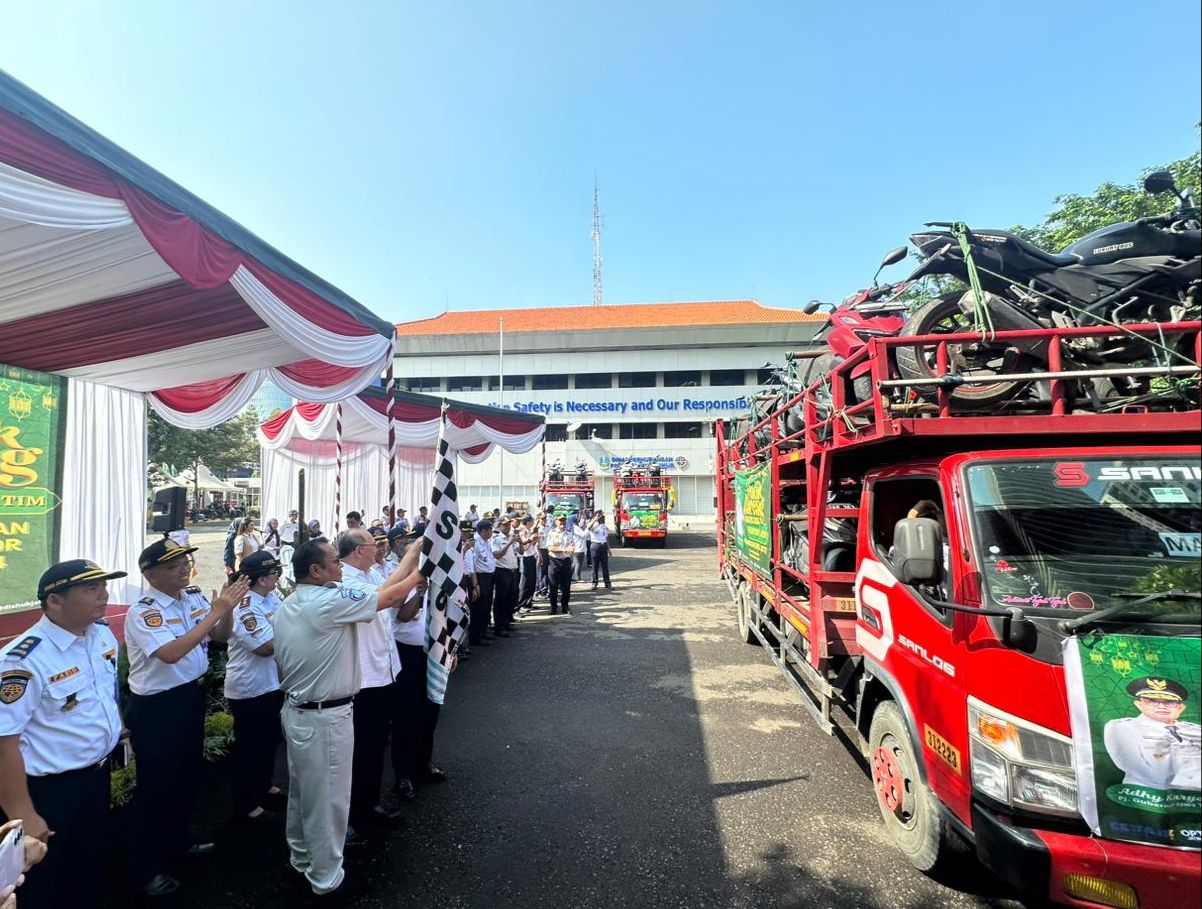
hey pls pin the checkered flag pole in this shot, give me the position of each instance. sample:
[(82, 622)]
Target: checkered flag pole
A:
[(446, 598)]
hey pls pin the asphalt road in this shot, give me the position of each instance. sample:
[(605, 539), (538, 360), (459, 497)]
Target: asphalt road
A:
[(634, 753)]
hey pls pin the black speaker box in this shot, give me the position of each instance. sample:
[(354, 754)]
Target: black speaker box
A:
[(167, 512)]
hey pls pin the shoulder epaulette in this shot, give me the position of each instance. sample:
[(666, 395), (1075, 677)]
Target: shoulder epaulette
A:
[(192, 589), (103, 622), (147, 601), (24, 647)]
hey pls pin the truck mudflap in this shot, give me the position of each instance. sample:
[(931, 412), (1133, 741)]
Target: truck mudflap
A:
[(1085, 871)]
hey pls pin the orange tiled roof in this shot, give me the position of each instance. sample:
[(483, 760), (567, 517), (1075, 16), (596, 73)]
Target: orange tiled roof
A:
[(629, 315)]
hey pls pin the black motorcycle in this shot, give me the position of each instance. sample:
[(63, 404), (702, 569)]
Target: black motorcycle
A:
[(1148, 270)]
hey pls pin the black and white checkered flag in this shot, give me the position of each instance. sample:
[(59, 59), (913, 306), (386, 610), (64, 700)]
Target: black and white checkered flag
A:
[(446, 598)]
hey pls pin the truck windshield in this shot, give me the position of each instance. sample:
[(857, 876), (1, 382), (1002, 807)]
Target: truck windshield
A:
[(642, 501), (566, 502), (1088, 534)]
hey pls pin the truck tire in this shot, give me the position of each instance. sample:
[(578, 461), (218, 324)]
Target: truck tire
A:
[(743, 596), (661, 542), (909, 809)]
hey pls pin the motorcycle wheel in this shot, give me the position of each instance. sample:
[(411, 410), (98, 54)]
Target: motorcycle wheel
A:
[(943, 316)]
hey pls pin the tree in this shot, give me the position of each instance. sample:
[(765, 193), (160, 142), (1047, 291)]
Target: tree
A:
[(223, 448), (1075, 216)]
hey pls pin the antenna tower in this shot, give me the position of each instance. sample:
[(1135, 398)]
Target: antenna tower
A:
[(596, 245)]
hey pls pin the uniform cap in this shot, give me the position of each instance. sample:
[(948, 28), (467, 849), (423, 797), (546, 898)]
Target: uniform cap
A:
[(161, 551), (63, 575), (259, 564), (484, 525), (467, 524), (1154, 688), (379, 534)]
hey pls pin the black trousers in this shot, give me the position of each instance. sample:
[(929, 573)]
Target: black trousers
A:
[(560, 580), (504, 597), (481, 608), (600, 554), (529, 576), (257, 735), (167, 731), (75, 805), (415, 716), (542, 574), (373, 711)]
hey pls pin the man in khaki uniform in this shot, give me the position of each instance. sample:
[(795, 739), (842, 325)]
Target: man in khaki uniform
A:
[(316, 649)]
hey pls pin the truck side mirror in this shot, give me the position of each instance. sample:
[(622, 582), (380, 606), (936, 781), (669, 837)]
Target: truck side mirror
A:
[(918, 551)]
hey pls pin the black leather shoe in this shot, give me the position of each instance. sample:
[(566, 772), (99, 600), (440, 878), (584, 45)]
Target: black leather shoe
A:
[(160, 885), (200, 850), (434, 774), (354, 839), (404, 791), (264, 818), (382, 815), (503, 634)]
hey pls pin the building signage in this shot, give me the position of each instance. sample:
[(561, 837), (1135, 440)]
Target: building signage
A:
[(642, 462), (698, 407)]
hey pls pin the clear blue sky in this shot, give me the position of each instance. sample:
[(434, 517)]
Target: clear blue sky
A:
[(421, 155)]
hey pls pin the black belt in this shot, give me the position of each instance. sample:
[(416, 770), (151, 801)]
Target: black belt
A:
[(326, 705)]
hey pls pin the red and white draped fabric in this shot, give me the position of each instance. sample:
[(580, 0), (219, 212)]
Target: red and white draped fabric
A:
[(112, 274), (304, 437)]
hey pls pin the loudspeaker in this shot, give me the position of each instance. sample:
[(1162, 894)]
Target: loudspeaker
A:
[(168, 509)]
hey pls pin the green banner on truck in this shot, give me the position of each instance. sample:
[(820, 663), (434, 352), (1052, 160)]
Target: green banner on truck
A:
[(31, 442), (753, 516)]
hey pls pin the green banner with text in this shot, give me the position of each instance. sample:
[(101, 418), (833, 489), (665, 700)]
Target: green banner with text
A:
[(1134, 701), (753, 516), (32, 424)]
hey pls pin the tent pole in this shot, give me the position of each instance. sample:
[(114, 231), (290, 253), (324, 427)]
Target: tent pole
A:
[(501, 370), (391, 445), (338, 468)]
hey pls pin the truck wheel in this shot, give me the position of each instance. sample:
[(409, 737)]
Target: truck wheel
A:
[(908, 808), (661, 542), (743, 614)]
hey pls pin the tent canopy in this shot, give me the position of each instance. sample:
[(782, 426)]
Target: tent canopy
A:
[(306, 437), (114, 274)]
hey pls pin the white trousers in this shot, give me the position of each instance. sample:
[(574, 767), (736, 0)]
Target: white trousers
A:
[(286, 551), (320, 744)]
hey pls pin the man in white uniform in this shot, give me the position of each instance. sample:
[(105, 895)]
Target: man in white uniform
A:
[(379, 665), (166, 635), (288, 532), (1156, 749), (316, 650)]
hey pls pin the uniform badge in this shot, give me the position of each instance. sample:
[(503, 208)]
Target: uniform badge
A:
[(153, 619), (250, 622), (13, 683)]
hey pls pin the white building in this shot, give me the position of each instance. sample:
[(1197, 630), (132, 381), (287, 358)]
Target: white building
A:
[(643, 381)]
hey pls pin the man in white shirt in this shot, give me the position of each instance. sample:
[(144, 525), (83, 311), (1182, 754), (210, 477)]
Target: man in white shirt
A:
[(288, 531), (546, 521), (505, 585), (167, 633), (484, 565), (528, 556), (561, 547), (599, 548), (316, 631), (379, 665)]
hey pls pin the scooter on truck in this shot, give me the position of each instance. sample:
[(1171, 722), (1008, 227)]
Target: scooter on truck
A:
[(999, 606)]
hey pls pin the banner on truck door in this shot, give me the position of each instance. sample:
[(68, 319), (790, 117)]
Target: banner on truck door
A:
[(32, 407), (1134, 702), (753, 516)]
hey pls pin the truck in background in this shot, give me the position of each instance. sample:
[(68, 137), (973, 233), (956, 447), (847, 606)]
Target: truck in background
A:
[(567, 490), (918, 572), (641, 502)]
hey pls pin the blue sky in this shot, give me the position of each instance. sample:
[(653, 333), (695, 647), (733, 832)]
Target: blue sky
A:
[(426, 155)]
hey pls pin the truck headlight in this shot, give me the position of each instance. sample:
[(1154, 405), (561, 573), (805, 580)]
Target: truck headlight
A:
[(1019, 763)]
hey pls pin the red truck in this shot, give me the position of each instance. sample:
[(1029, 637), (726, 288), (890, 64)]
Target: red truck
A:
[(567, 490), (642, 500), (919, 574)]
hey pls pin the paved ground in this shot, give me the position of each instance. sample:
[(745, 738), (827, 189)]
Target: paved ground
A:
[(631, 754)]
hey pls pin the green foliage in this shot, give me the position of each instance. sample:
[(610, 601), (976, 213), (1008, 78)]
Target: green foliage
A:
[(1075, 216), (219, 735), (122, 789), (222, 448)]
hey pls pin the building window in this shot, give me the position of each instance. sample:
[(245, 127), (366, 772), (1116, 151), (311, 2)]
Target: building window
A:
[(595, 431), (512, 383), (681, 378), (556, 432), (465, 383), (550, 383), (638, 430), (682, 431), (636, 380), (764, 376), (726, 377), (594, 380), (424, 383)]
